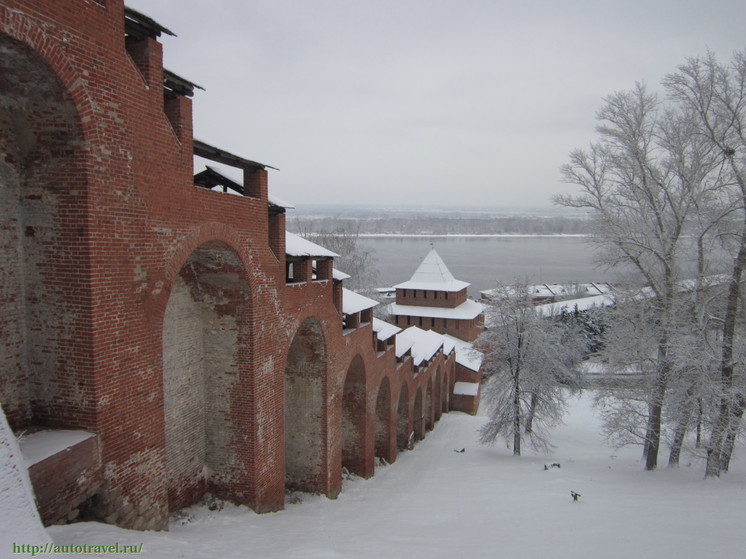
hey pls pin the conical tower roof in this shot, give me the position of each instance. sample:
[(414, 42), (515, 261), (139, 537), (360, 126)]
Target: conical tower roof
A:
[(433, 275)]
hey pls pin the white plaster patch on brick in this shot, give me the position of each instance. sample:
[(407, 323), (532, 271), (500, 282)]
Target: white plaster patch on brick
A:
[(221, 373), (183, 380), (304, 408), (14, 391), (200, 341)]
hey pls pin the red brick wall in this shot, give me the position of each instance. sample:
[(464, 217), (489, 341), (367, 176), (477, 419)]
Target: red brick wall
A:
[(117, 243), (65, 480), (466, 404), (430, 298), (468, 330)]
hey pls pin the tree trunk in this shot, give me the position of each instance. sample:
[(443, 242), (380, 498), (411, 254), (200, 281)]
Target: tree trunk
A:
[(655, 406), (682, 426), (678, 440), (516, 416), (531, 412), (723, 420), (720, 427), (730, 437), (714, 447), (653, 438)]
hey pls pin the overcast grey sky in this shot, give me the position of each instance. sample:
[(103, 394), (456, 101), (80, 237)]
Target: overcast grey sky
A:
[(383, 101)]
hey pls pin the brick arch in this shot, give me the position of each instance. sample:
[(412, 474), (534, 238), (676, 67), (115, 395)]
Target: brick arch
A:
[(206, 350), (210, 232), (36, 36), (403, 424), (46, 304), (418, 415), (179, 277), (163, 279), (354, 414), (304, 401), (429, 423), (438, 393), (107, 132), (445, 392), (383, 426)]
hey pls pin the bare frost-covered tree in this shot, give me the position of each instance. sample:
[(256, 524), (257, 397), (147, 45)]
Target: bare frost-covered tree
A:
[(631, 351), (645, 179), (531, 364), (715, 93)]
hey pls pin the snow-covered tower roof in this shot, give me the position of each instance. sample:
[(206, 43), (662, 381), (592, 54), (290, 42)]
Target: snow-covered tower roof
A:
[(434, 275), (467, 310), (435, 300)]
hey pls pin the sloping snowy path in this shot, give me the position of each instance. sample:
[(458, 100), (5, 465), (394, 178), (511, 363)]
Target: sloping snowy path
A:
[(436, 503)]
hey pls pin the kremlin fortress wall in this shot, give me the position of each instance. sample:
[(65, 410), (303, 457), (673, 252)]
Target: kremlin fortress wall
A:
[(159, 338)]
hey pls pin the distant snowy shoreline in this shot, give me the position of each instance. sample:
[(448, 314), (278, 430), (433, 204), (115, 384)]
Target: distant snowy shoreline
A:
[(424, 223)]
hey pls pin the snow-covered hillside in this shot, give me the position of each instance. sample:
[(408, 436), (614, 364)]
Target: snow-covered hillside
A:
[(19, 521), (435, 503)]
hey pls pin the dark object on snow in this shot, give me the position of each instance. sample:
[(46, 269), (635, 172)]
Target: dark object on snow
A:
[(575, 495), (554, 465), (460, 451)]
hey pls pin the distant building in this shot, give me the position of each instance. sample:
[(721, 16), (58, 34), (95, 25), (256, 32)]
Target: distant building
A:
[(434, 300), (552, 292)]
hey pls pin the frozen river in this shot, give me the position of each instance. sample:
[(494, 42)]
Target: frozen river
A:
[(483, 261)]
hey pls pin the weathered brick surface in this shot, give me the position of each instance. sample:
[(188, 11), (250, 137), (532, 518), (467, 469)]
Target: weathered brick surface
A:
[(154, 313), (64, 481), (466, 404)]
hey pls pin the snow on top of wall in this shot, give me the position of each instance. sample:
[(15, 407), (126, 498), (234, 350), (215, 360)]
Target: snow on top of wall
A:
[(233, 178), (19, 520), (354, 302), (467, 310), (433, 275), (296, 245), (403, 345), (466, 355), (384, 330), (40, 445), (448, 344), (279, 202), (274, 200), (469, 358), (424, 343), (339, 275), (466, 388)]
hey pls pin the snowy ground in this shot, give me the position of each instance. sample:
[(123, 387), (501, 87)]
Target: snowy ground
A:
[(436, 503)]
